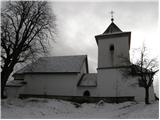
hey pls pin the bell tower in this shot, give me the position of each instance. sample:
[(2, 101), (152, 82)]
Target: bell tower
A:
[(113, 48), (113, 45)]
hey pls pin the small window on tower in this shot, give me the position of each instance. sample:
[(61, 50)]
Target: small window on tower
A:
[(111, 48)]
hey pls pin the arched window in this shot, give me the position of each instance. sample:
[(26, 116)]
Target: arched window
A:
[(86, 93), (111, 48)]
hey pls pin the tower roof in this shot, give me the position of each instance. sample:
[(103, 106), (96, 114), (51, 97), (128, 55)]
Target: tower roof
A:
[(112, 28)]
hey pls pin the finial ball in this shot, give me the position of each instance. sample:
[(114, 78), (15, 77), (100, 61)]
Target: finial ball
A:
[(112, 19)]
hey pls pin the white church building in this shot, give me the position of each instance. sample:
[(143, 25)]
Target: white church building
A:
[(67, 77)]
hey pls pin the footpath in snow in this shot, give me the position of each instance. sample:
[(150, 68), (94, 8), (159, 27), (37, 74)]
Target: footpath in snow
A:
[(50, 108)]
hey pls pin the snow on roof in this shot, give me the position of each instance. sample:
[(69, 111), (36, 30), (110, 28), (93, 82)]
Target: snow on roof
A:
[(55, 64), (88, 80)]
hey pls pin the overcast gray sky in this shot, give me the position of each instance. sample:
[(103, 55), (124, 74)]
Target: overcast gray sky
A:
[(79, 22)]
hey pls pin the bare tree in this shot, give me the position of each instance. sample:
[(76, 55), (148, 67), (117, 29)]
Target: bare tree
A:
[(145, 68), (26, 27)]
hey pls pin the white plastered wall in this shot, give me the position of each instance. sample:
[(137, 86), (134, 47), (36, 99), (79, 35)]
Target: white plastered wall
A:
[(108, 59), (92, 90), (112, 83), (62, 84), (50, 84)]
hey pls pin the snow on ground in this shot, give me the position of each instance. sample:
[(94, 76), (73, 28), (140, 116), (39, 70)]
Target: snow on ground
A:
[(50, 108)]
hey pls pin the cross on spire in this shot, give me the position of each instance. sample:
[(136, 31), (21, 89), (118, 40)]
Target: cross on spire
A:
[(112, 12)]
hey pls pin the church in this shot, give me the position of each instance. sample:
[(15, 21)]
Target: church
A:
[(68, 77)]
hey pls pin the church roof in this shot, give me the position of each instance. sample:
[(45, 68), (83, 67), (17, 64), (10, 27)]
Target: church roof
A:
[(112, 28), (88, 80), (56, 64)]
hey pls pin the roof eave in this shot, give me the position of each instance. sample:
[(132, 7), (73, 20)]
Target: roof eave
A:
[(116, 34), (46, 73)]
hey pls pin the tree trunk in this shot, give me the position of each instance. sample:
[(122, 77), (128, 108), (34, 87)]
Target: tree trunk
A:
[(4, 77), (146, 95), (6, 71)]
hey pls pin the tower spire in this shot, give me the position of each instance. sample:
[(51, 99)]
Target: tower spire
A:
[(112, 28), (112, 12)]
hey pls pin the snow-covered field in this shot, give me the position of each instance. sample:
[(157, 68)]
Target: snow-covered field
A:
[(51, 108)]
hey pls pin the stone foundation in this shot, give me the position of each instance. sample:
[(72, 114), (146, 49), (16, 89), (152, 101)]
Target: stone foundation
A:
[(81, 99)]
